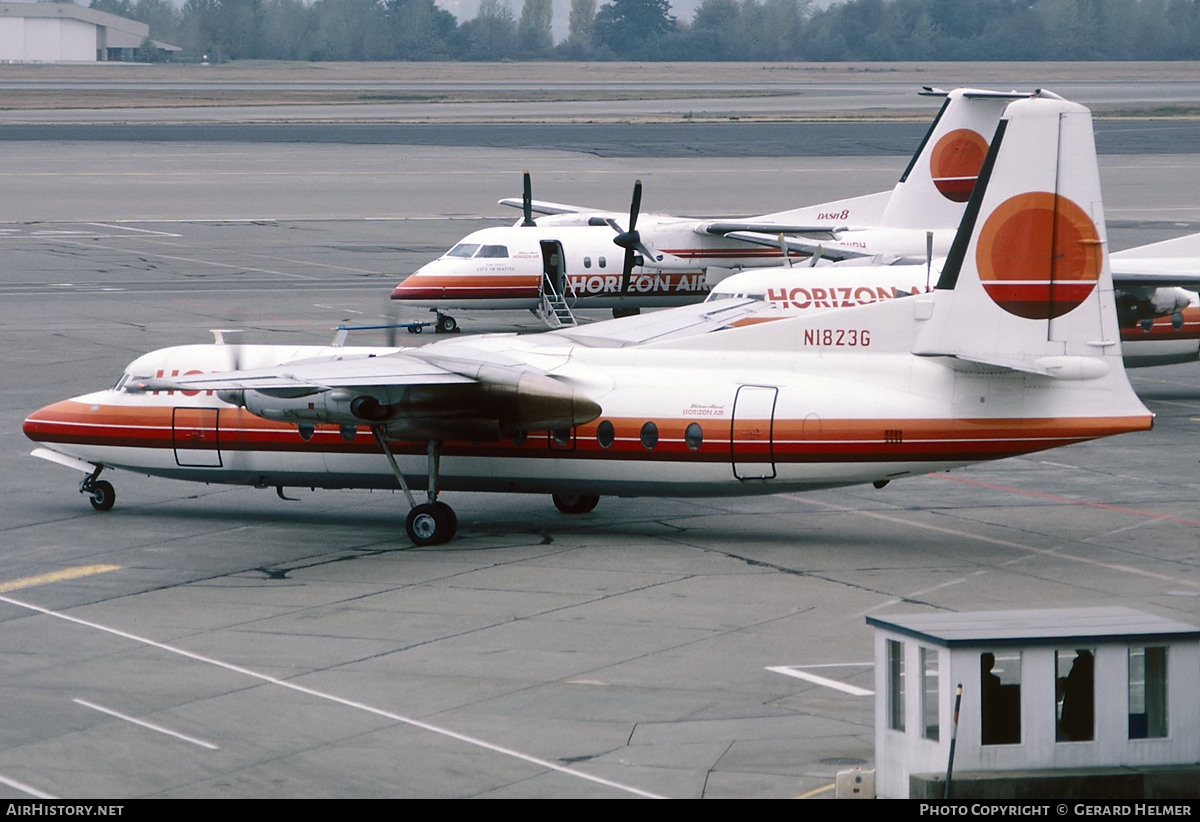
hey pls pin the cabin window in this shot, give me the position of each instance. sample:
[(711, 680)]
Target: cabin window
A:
[(693, 436), (587, 262), (493, 251), (1000, 698), (463, 250), (649, 436), (561, 437), (1075, 695), (1147, 693), (605, 435), (895, 685), (603, 262), (929, 694)]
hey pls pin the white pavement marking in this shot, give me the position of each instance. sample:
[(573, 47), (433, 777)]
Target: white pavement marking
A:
[(21, 786), (139, 230), (349, 703), (159, 728), (845, 687)]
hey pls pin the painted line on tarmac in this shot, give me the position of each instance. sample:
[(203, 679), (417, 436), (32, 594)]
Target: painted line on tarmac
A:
[(143, 723), (349, 703), (23, 788), (57, 576), (844, 687), (1040, 495), (1020, 546)]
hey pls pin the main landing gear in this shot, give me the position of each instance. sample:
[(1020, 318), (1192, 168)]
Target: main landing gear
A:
[(431, 522), (575, 503), (103, 495)]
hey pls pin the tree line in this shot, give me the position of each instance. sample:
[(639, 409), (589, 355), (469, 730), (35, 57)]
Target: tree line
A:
[(759, 30)]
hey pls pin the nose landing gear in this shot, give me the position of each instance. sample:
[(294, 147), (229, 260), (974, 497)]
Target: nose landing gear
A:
[(103, 495)]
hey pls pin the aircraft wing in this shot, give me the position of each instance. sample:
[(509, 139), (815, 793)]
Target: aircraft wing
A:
[(659, 326), (1169, 263), (316, 374), (544, 207), (829, 250), (1179, 272), (729, 227), (452, 390)]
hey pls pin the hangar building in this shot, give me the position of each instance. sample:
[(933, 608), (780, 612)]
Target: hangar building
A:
[(67, 33)]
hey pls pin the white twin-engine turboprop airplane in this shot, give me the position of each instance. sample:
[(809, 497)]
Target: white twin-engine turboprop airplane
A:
[(581, 258), (1016, 350)]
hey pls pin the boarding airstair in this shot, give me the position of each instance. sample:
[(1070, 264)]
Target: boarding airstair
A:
[(554, 309)]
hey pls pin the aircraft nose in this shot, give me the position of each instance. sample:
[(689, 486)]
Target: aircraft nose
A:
[(57, 422), (422, 284)]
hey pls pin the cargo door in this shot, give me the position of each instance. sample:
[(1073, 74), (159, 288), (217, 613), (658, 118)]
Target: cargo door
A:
[(750, 438), (195, 437)]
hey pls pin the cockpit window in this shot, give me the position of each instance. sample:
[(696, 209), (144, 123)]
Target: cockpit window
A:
[(493, 251), (121, 382), (463, 250)]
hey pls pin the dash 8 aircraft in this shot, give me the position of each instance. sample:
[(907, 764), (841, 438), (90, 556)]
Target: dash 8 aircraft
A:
[(1016, 350), (573, 257)]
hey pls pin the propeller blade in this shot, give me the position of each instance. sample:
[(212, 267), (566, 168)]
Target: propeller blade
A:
[(636, 206), (527, 201), (783, 246), (627, 272)]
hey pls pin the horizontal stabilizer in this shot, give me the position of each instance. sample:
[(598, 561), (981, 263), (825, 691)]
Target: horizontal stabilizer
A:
[(544, 207), (828, 249)]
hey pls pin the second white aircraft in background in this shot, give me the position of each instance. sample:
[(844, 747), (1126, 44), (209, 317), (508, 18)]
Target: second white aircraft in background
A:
[(574, 257)]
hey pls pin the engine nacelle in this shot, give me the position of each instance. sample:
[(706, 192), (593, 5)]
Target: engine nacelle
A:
[(316, 407), (1135, 305)]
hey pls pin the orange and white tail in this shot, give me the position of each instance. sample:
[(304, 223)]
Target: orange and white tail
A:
[(935, 187), (1027, 284)]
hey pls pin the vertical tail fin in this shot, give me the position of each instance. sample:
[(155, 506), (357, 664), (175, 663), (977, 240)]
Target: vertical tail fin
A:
[(1027, 283), (936, 185)]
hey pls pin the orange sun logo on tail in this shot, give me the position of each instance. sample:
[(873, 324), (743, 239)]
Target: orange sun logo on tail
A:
[(955, 162), (1038, 255)]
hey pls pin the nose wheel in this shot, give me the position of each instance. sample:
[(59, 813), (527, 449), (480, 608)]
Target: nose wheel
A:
[(102, 495), (445, 324)]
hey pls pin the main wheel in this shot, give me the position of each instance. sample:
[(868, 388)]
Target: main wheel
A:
[(104, 496), (575, 503), (445, 324), (430, 524), (451, 519)]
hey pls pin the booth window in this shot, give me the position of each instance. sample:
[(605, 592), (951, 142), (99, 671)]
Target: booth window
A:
[(1148, 693), (929, 693), (1000, 698), (1075, 696), (895, 704)]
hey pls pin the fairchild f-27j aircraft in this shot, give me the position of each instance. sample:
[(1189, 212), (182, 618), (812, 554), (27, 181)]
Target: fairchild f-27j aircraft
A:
[(582, 258), (1016, 350)]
